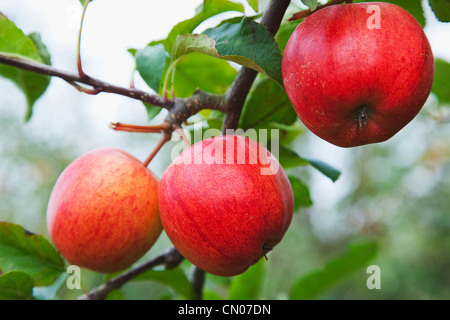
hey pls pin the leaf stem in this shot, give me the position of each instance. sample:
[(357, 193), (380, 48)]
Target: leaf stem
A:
[(79, 66), (170, 259), (183, 136), (167, 77)]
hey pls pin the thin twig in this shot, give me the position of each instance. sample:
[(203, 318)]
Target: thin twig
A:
[(136, 128), (183, 136), (170, 259), (96, 84)]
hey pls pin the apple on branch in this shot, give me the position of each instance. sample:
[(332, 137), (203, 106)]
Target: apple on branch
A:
[(225, 202), (103, 211), (358, 73)]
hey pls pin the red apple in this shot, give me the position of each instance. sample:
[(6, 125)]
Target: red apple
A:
[(358, 73), (224, 203), (103, 211)]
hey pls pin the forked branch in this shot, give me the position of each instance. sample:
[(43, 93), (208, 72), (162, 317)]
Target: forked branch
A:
[(170, 259)]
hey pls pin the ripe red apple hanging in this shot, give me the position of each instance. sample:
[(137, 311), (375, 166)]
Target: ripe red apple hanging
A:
[(103, 211), (358, 73), (224, 203)]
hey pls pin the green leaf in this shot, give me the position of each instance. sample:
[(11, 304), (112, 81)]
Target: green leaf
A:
[(289, 158), (41, 47), (440, 84), (24, 251), (151, 65), (211, 295), (287, 27), (248, 285), (311, 4), (15, 285), (413, 6), (249, 44), (238, 19), (286, 133), (188, 43), (208, 9), (198, 71), (213, 119), (152, 111), (84, 1), (284, 33), (173, 278), (116, 294), (302, 197), (50, 292), (441, 9), (268, 108), (325, 168), (254, 4), (13, 42), (316, 283), (267, 103)]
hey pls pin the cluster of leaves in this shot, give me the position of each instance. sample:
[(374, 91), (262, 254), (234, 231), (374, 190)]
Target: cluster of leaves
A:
[(26, 260), (184, 62)]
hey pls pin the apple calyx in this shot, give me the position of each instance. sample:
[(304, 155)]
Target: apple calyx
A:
[(266, 249), (362, 115)]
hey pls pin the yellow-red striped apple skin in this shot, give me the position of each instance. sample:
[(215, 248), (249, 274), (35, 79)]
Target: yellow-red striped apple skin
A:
[(224, 218), (103, 211)]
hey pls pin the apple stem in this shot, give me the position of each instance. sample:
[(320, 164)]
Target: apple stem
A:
[(165, 137), (363, 115), (183, 136), (266, 248)]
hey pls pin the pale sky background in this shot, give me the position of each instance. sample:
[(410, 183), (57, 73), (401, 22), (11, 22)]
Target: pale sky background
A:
[(111, 27)]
